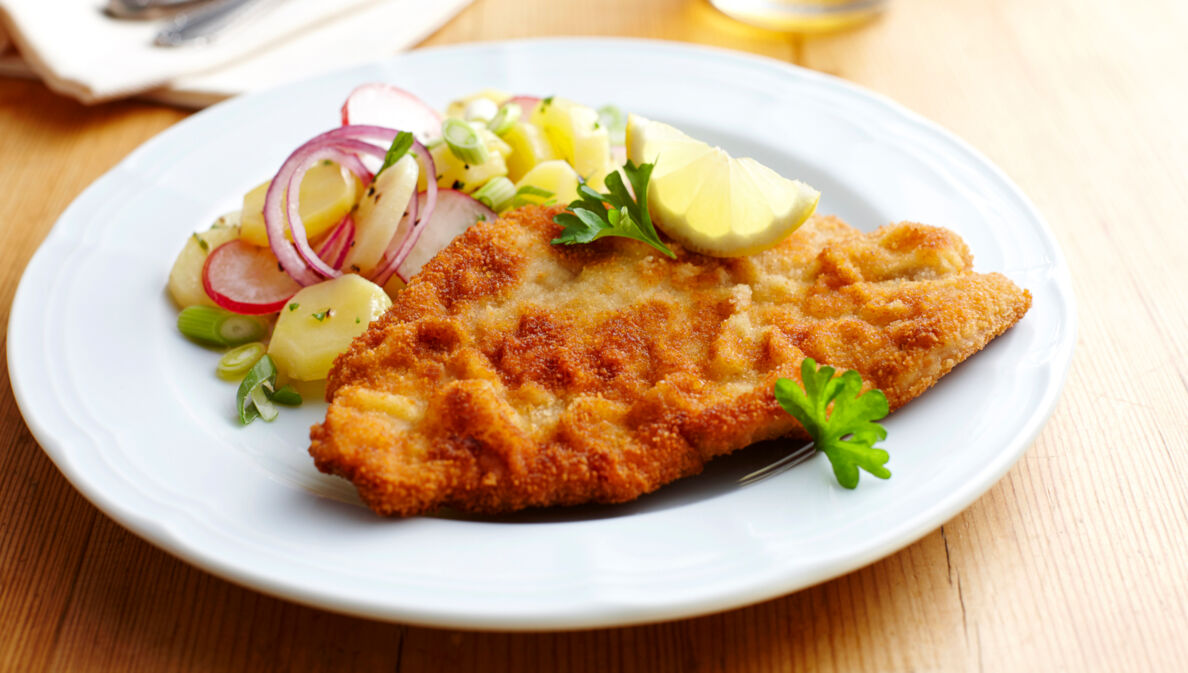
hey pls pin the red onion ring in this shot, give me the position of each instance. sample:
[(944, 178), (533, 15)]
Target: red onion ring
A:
[(334, 249), (343, 145), (355, 165), (293, 208)]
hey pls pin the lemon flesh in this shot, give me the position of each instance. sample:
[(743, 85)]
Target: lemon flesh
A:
[(711, 202), (328, 192)]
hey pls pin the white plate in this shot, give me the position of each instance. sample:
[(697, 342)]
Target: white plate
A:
[(135, 418)]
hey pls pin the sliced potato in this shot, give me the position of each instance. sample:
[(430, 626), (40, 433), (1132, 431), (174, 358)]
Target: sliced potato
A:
[(380, 211), (453, 173), (320, 322), (556, 177), (185, 278), (328, 192), (529, 147), (457, 108), (576, 134), (493, 142)]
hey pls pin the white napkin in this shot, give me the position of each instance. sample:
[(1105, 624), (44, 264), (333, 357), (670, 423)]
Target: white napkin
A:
[(80, 52)]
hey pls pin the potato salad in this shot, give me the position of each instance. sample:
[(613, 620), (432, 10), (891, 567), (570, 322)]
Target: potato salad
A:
[(284, 285)]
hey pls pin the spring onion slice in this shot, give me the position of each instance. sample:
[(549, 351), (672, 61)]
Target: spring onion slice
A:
[(497, 194), (464, 141), (521, 196), (218, 327), (262, 373), (237, 361), (507, 116), (263, 405), (287, 396)]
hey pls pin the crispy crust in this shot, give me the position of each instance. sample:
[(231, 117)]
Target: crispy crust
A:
[(513, 373)]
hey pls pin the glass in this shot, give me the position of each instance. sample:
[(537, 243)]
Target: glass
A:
[(802, 16)]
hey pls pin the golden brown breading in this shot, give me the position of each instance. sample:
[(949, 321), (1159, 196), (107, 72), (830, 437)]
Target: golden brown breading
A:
[(513, 373)]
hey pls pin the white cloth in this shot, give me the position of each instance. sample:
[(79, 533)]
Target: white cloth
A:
[(80, 52)]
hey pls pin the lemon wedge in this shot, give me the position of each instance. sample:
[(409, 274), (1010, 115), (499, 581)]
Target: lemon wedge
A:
[(713, 203)]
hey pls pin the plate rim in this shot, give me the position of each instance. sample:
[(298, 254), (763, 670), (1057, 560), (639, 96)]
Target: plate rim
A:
[(926, 521)]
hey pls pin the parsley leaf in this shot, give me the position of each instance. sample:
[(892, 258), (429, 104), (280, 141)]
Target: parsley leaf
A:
[(401, 144), (591, 219), (846, 434)]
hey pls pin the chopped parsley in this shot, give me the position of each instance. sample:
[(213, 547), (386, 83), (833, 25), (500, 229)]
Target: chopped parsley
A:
[(847, 433)]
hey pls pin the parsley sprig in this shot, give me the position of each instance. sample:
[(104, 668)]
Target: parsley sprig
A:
[(591, 219), (846, 434)]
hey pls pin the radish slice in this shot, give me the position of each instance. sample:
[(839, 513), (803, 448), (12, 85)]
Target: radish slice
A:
[(527, 103), (382, 104), (244, 278), (455, 213)]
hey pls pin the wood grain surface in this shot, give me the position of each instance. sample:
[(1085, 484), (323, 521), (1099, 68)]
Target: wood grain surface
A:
[(1076, 561)]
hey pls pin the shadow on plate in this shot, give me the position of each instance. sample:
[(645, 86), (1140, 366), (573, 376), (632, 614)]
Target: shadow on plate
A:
[(721, 476)]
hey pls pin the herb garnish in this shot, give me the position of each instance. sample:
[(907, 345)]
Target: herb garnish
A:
[(846, 434), (401, 144), (590, 218), (258, 391)]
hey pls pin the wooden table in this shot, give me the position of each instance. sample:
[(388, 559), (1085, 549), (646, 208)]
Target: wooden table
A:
[(1077, 560)]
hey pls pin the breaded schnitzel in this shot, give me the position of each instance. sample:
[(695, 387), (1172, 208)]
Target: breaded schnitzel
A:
[(513, 373)]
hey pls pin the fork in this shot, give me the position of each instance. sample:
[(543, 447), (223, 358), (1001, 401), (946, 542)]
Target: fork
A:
[(149, 9), (202, 24), (782, 465)]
